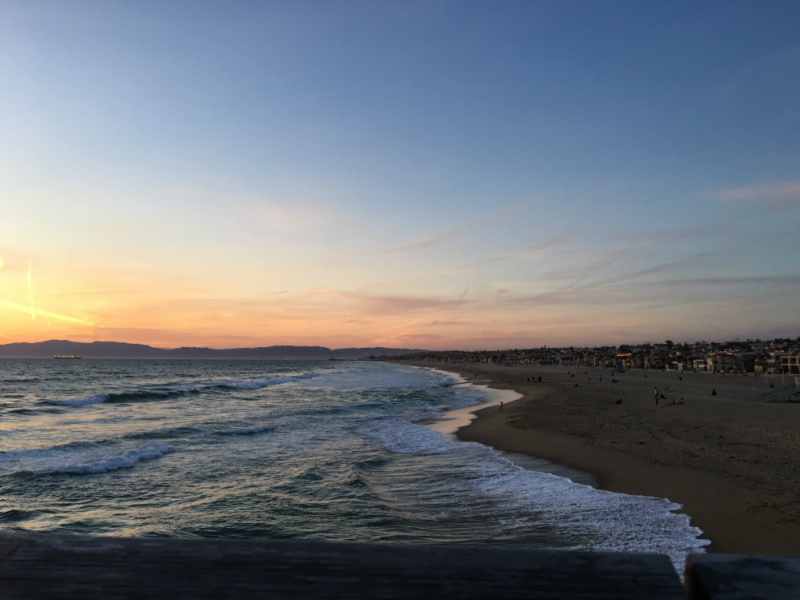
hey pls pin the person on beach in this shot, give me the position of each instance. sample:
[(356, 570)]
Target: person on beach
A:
[(656, 396), (501, 406)]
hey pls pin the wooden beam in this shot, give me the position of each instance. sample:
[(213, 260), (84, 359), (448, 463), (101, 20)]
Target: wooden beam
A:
[(43, 566), (733, 577)]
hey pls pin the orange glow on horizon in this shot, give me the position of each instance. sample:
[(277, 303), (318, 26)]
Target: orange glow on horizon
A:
[(174, 305)]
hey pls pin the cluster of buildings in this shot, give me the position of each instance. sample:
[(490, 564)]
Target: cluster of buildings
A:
[(778, 356)]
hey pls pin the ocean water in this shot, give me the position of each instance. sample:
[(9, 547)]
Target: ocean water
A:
[(280, 450)]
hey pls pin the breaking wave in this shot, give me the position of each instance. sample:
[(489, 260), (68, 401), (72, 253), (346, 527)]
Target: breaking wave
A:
[(613, 521), (257, 384), (176, 390), (84, 401), (79, 462)]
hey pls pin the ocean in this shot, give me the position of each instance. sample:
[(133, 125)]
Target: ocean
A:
[(290, 450)]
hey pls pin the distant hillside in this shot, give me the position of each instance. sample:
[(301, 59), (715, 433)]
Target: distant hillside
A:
[(122, 350)]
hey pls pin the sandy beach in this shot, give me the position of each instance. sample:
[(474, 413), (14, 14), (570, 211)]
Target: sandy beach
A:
[(732, 462)]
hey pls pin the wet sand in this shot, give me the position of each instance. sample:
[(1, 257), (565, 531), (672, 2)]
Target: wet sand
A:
[(731, 461)]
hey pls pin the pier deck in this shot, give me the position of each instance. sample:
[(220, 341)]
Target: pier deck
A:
[(44, 566)]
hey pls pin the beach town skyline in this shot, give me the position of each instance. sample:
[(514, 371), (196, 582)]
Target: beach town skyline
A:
[(780, 356), (413, 175)]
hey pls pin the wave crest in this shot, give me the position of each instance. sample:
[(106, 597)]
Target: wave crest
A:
[(251, 431), (177, 390), (86, 462), (84, 401)]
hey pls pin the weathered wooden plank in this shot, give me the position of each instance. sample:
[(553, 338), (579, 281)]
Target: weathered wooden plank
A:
[(40, 566), (733, 577)]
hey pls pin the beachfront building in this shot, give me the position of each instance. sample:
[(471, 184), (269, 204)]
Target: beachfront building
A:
[(773, 363), (771, 357), (790, 362), (720, 362)]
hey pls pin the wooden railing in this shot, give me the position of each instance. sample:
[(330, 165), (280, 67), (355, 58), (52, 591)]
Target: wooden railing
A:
[(44, 566)]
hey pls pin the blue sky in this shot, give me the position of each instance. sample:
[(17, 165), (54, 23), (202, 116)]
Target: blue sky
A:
[(427, 174)]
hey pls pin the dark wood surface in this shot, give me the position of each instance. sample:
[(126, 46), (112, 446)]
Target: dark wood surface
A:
[(38, 566), (732, 577)]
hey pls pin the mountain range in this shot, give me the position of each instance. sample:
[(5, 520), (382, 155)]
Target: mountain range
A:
[(123, 350)]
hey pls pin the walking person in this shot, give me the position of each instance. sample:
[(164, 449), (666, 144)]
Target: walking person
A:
[(656, 396)]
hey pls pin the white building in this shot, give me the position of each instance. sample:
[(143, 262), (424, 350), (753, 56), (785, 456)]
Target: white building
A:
[(719, 362)]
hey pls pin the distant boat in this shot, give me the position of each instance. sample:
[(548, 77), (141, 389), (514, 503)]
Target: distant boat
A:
[(65, 356)]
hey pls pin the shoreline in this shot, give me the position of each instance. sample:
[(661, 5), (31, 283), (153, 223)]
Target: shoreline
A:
[(733, 464)]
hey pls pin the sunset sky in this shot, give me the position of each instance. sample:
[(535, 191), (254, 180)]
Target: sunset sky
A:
[(432, 174)]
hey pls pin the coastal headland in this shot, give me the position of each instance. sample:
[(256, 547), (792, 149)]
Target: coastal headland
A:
[(732, 462)]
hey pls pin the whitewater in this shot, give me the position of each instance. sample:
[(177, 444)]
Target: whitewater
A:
[(288, 449)]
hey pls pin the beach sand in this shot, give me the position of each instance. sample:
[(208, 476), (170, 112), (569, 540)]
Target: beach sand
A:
[(732, 462)]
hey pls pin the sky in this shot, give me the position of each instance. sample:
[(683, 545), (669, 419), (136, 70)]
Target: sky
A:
[(433, 174)]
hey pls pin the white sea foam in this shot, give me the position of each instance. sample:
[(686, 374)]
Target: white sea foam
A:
[(257, 384), (398, 435), (252, 384), (614, 522), (84, 401), (79, 461)]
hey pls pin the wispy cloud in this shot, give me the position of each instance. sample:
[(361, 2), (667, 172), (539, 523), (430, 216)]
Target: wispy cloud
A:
[(405, 324), (535, 250), (667, 266), (779, 194), (291, 217), (428, 240), (384, 304), (628, 292), (528, 253), (462, 296), (582, 268), (446, 234)]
